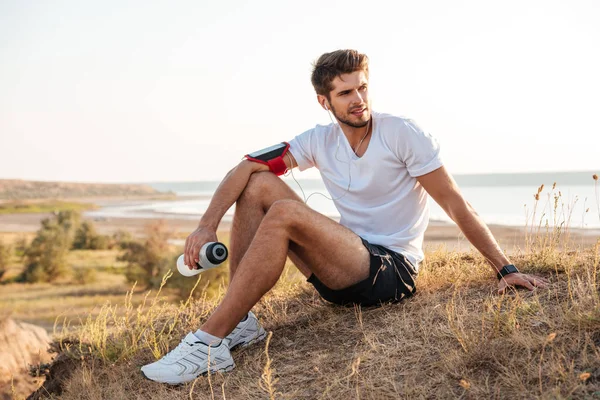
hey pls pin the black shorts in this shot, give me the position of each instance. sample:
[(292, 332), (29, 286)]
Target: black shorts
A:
[(391, 279)]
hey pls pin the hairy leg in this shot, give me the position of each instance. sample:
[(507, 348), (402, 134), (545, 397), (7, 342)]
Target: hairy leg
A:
[(332, 252), (262, 191)]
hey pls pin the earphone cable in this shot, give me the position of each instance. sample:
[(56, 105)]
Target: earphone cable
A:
[(337, 158)]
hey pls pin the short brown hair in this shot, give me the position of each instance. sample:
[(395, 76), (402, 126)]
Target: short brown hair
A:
[(331, 65)]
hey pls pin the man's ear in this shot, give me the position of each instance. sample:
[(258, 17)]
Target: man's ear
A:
[(323, 101)]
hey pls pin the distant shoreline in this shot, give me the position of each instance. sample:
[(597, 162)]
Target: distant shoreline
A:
[(438, 233), (534, 179), (22, 190)]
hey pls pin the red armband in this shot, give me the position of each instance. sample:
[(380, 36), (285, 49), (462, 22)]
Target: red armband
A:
[(272, 157)]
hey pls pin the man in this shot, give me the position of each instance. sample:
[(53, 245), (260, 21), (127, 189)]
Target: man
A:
[(379, 170)]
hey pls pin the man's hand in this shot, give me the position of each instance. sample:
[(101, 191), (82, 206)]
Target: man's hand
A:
[(194, 243), (518, 279)]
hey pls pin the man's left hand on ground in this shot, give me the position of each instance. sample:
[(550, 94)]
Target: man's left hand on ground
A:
[(524, 280)]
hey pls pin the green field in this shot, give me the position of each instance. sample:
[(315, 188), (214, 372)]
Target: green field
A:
[(20, 207)]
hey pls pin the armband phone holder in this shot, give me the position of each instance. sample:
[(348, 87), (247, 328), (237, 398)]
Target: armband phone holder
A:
[(272, 157)]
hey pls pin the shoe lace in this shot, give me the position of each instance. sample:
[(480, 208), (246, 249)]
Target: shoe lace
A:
[(176, 352)]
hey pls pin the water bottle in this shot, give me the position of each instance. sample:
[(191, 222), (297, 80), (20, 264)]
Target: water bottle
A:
[(212, 254)]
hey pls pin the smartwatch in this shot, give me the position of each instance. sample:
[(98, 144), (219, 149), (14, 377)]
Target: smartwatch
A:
[(507, 269)]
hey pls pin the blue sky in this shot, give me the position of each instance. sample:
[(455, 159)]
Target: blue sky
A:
[(118, 91)]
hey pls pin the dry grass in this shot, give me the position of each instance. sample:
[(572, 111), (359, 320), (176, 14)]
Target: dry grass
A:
[(42, 303), (95, 259), (455, 338)]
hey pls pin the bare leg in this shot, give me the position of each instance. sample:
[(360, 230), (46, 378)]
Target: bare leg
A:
[(332, 252), (262, 191)]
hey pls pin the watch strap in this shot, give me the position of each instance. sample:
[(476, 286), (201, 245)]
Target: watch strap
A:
[(506, 270)]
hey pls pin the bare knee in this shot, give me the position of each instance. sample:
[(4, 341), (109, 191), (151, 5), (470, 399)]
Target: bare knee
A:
[(285, 213), (264, 189), (258, 184)]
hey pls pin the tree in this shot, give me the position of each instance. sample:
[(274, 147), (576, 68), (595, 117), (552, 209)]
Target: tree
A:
[(47, 255)]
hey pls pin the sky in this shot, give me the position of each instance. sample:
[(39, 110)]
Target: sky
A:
[(139, 91)]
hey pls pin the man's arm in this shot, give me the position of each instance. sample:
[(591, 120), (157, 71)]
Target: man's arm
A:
[(444, 190), (226, 194)]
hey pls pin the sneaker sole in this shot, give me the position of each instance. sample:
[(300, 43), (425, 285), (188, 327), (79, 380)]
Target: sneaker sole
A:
[(205, 373)]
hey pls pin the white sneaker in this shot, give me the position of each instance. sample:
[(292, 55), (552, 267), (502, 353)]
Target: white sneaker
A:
[(246, 333), (189, 360)]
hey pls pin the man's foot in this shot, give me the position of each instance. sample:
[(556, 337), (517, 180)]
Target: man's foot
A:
[(189, 360), (246, 333)]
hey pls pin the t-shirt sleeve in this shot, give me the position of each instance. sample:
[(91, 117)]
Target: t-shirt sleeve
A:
[(418, 150), (302, 148)]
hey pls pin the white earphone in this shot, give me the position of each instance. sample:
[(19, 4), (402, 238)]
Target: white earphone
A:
[(340, 132)]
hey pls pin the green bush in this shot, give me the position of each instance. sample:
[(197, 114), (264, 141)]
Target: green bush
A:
[(21, 245), (5, 256), (150, 259), (68, 221), (46, 256), (83, 276), (100, 242), (86, 238), (119, 239)]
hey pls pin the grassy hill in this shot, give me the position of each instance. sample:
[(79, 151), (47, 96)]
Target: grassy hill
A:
[(456, 338), (15, 189)]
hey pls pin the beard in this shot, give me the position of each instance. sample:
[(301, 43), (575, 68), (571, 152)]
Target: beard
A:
[(346, 121)]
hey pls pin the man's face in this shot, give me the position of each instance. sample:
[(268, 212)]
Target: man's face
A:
[(349, 100)]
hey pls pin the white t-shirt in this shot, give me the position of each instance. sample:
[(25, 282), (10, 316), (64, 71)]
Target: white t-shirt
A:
[(385, 205)]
